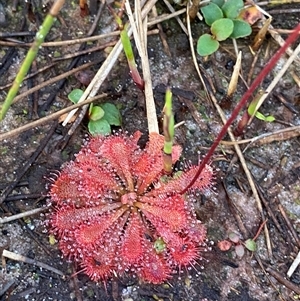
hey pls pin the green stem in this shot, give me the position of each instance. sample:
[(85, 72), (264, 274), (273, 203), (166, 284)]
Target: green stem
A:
[(128, 51), (130, 59), (39, 39), (168, 127)]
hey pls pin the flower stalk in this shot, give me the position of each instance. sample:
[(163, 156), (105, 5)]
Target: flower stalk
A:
[(168, 127)]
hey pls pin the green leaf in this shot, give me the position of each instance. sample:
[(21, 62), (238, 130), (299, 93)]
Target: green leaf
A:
[(218, 2), (231, 8), (75, 95), (250, 244), (111, 114), (222, 29), (252, 107), (211, 13), (96, 113), (207, 45), (127, 45), (159, 245), (240, 29), (254, 102), (270, 118), (260, 116), (99, 127)]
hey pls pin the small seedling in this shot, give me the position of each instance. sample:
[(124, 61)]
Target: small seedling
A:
[(252, 111), (224, 21), (239, 245), (100, 117)]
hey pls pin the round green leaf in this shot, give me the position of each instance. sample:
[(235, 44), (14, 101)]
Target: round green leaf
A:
[(211, 13), (75, 95), (159, 245), (207, 45), (96, 113), (99, 127), (250, 244), (111, 114), (218, 2), (231, 8), (222, 29), (240, 29)]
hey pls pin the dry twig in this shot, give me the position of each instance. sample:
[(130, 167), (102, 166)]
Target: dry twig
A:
[(139, 33), (7, 219), (280, 135), (46, 119), (18, 257)]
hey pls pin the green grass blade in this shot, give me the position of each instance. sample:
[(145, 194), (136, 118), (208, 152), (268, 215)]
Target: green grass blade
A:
[(39, 39)]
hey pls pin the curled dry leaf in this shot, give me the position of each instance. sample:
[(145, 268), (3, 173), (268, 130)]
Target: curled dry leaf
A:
[(250, 14)]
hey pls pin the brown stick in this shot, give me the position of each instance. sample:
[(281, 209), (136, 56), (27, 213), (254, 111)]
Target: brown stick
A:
[(283, 281)]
